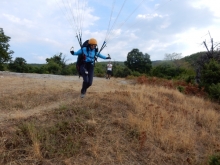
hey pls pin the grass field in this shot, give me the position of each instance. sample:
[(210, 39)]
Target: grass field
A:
[(44, 121)]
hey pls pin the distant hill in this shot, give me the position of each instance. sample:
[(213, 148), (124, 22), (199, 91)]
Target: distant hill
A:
[(37, 65), (191, 59), (157, 62)]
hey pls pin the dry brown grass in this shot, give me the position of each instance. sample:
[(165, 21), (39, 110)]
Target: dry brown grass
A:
[(117, 123)]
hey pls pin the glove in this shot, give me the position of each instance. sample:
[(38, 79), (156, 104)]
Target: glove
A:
[(72, 52), (108, 57)]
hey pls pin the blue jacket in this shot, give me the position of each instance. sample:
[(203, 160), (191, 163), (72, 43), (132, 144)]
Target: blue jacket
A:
[(90, 54)]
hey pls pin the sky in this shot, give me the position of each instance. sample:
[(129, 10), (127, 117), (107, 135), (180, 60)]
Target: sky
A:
[(40, 29)]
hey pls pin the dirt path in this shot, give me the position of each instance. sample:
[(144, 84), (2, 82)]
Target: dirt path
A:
[(4, 117), (23, 95)]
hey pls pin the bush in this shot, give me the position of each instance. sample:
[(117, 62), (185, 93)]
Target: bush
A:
[(69, 70), (121, 71), (169, 71), (181, 89), (190, 79), (53, 68), (99, 71), (210, 74), (214, 91), (136, 74), (19, 65), (214, 159)]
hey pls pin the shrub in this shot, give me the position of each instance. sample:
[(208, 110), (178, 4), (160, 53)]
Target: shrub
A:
[(190, 79), (210, 74), (214, 91), (214, 159), (181, 89), (136, 74), (18, 65)]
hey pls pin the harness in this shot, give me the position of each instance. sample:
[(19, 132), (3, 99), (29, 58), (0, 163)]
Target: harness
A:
[(81, 58)]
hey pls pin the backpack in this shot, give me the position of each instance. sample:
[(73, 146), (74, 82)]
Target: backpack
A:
[(82, 57)]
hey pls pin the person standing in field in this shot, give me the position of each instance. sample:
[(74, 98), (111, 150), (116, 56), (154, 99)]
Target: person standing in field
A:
[(109, 70)]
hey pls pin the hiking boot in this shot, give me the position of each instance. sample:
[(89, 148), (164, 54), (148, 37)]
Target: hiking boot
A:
[(82, 95)]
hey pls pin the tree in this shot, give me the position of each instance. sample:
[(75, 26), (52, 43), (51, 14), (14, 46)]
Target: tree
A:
[(57, 64), (210, 73), (58, 59), (5, 53), (137, 61), (174, 58), (54, 68), (212, 54), (18, 65), (176, 61), (210, 79)]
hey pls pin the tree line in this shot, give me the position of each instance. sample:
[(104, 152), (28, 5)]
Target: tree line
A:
[(202, 68)]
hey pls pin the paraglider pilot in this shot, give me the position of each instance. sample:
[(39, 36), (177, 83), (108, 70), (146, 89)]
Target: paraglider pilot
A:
[(87, 67)]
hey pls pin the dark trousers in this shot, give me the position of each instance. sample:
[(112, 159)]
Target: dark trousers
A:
[(87, 77)]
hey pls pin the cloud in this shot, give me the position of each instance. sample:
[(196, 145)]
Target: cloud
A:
[(18, 21), (40, 29), (149, 16)]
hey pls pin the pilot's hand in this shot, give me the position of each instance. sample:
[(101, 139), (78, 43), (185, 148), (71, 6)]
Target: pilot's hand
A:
[(72, 52)]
